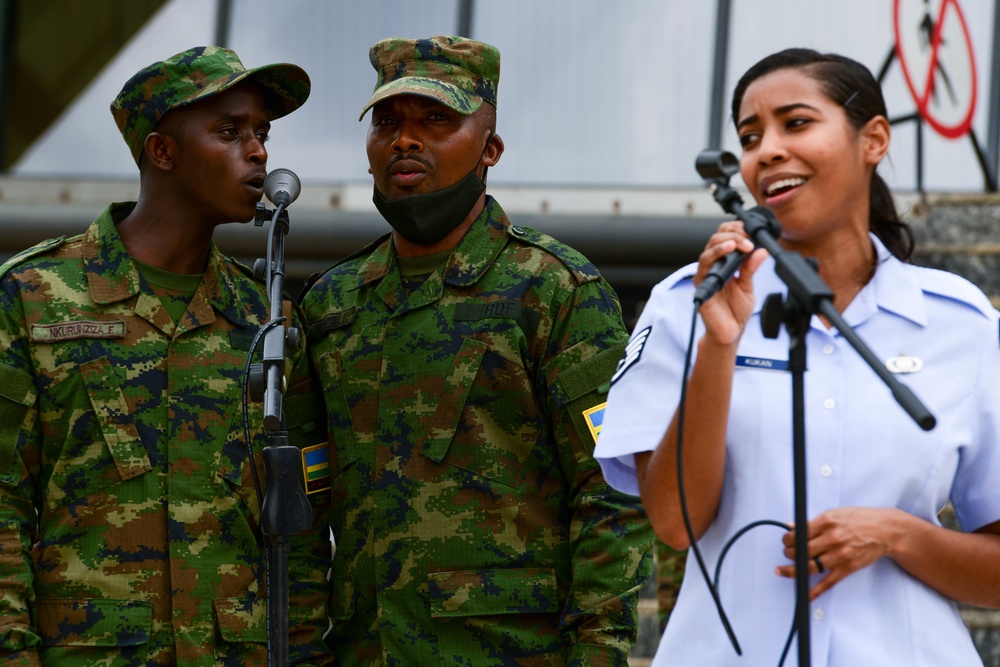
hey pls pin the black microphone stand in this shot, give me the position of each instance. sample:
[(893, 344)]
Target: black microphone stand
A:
[(285, 509), (807, 295)]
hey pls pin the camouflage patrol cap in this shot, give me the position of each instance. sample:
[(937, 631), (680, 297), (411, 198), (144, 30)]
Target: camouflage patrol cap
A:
[(457, 72), (193, 75)]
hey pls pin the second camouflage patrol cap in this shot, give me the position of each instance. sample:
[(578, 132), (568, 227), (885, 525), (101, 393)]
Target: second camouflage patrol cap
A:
[(193, 75), (457, 72)]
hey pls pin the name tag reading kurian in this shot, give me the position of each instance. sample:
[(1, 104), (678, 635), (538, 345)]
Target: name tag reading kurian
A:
[(51, 333), (764, 364)]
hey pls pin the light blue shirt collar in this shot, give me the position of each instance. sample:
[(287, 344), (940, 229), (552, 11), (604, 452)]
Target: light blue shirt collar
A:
[(892, 288)]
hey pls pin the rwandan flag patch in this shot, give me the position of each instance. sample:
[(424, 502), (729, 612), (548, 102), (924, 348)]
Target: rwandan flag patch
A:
[(594, 418), (316, 464)]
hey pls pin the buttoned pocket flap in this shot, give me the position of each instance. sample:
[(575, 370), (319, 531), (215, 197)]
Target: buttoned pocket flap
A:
[(494, 591), (241, 619), (17, 395)]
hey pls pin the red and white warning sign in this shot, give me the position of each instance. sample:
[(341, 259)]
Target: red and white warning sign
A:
[(935, 52)]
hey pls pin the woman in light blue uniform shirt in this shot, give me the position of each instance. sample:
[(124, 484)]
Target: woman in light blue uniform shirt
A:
[(813, 129)]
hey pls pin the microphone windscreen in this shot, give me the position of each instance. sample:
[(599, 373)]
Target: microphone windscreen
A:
[(282, 186)]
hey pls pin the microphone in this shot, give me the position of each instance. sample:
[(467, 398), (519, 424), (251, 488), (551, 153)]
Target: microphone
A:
[(282, 187), (721, 271), (757, 219)]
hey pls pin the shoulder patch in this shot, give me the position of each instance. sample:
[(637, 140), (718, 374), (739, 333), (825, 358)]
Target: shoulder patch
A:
[(594, 418), (316, 467), (33, 251), (582, 269), (633, 351)]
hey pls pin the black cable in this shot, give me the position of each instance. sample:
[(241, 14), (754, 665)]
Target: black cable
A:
[(683, 496), (713, 585), (722, 557)]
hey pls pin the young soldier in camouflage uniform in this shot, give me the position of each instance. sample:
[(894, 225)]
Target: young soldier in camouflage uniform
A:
[(464, 362), (128, 517)]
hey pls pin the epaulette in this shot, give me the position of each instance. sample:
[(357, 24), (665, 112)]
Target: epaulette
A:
[(956, 288), (685, 273), (583, 270), (33, 251), (242, 268), (314, 277)]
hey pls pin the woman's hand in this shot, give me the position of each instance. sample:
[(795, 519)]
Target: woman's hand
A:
[(843, 541), (726, 313)]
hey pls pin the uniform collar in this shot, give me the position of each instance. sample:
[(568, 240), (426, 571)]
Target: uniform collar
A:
[(471, 258), (479, 247), (112, 276), (893, 288)]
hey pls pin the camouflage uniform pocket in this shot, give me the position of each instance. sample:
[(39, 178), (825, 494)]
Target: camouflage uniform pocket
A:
[(103, 452), (15, 631), (84, 631), (241, 619), (494, 591), (344, 449), (341, 596), (17, 395), (487, 420), (501, 611)]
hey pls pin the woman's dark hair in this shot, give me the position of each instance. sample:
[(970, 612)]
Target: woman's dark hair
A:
[(849, 83)]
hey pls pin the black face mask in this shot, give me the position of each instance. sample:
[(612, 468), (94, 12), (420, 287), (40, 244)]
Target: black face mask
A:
[(427, 218)]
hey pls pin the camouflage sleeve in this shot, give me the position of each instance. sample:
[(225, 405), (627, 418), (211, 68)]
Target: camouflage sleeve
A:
[(612, 539), (310, 552), (19, 460)]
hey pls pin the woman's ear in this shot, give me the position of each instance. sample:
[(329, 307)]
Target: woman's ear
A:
[(875, 137)]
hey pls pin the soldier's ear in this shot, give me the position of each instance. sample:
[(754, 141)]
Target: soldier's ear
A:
[(494, 149), (161, 151)]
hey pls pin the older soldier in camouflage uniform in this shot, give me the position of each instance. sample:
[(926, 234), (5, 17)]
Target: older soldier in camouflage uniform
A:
[(465, 363), (128, 518)]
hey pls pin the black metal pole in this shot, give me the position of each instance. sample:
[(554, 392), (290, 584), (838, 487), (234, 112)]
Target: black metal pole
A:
[(8, 41), (993, 110), (717, 104), (222, 20), (465, 8), (920, 156), (797, 330), (989, 175), (285, 509)]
